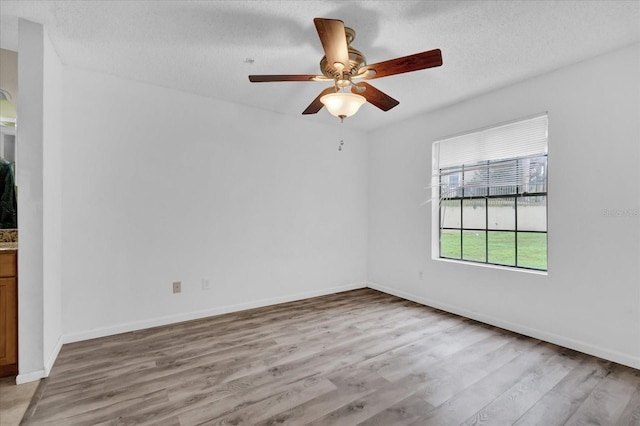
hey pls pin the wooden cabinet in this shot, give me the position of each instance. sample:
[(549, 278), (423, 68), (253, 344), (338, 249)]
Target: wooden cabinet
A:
[(8, 313)]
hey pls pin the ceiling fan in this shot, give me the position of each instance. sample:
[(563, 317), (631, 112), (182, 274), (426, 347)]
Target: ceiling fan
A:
[(343, 64)]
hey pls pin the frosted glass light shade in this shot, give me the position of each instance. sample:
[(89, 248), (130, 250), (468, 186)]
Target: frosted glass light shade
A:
[(342, 104)]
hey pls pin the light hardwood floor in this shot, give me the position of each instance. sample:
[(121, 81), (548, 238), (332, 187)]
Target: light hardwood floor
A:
[(359, 357), (14, 400)]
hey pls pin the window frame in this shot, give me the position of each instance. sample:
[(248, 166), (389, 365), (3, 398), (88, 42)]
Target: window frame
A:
[(516, 196), (520, 194)]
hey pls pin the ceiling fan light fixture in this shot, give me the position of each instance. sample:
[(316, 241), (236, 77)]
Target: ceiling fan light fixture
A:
[(341, 104)]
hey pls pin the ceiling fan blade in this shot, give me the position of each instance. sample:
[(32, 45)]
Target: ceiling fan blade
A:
[(375, 96), (334, 41), (300, 77), (316, 105), (418, 61)]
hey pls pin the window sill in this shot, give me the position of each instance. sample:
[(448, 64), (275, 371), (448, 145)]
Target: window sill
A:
[(491, 266)]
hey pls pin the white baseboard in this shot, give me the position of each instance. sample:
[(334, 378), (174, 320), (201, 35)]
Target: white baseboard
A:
[(188, 316), (41, 374), (567, 342), (30, 377), (53, 356)]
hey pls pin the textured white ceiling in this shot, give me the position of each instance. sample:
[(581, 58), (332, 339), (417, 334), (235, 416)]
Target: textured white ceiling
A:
[(209, 47)]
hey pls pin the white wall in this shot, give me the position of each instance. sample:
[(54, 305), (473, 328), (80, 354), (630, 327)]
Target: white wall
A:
[(52, 205), (38, 172), (30, 192), (162, 186), (590, 299)]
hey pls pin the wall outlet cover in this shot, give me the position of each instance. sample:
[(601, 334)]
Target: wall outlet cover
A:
[(206, 285)]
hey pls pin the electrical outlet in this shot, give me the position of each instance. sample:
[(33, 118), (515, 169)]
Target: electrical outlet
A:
[(205, 284), (177, 287)]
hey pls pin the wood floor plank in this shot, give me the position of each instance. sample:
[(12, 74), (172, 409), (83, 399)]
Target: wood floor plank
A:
[(403, 413), (453, 340), (631, 414), (463, 405), (557, 405), (195, 414), (431, 347), (509, 407), (88, 414), (257, 409), (349, 387), (468, 366), (357, 357), (606, 403), (364, 408)]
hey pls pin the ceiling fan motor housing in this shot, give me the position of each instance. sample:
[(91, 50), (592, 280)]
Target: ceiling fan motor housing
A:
[(356, 60)]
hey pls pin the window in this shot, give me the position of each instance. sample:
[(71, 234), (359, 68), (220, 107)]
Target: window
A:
[(491, 187)]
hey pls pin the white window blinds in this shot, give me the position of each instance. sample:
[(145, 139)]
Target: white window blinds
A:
[(505, 159), (517, 139)]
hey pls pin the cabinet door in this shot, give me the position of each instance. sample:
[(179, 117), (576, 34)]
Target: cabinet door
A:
[(8, 264), (8, 321)]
